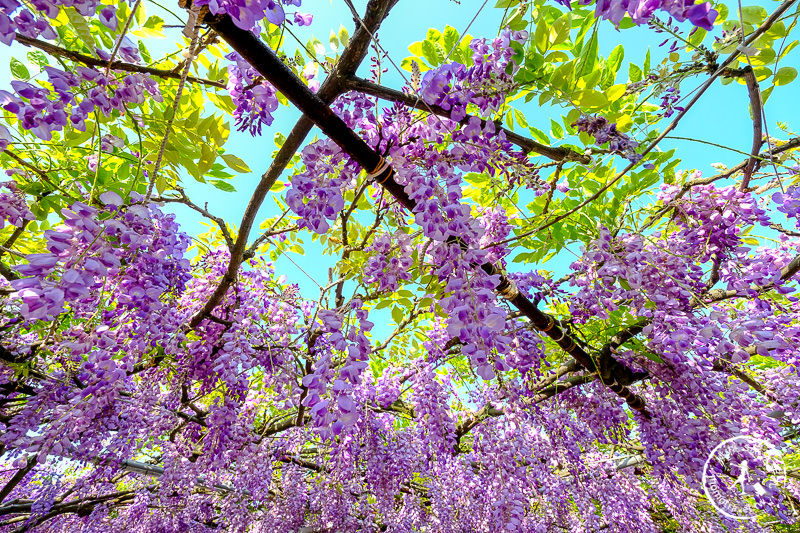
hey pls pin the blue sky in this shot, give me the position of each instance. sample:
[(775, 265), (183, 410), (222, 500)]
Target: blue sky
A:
[(721, 117)]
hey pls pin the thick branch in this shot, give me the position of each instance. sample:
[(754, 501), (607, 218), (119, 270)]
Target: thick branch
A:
[(351, 57), (755, 107), (19, 476), (267, 63), (528, 145)]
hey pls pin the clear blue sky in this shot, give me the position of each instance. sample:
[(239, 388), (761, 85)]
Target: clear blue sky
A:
[(721, 117)]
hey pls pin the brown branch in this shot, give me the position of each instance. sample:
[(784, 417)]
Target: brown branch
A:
[(267, 63), (791, 144), (351, 57), (183, 199), (756, 108), (672, 125), (82, 507), (114, 65), (787, 272), (18, 476), (555, 153)]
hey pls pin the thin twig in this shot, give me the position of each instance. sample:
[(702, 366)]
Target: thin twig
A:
[(115, 65), (175, 106), (756, 108)]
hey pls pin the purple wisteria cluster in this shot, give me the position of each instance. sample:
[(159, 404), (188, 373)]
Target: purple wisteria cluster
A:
[(604, 132), (16, 18), (247, 14), (473, 313), (453, 86), (329, 390), (390, 261), (86, 254), (13, 207), (669, 98), (665, 269), (641, 11), (255, 99), (789, 202), (316, 193), (128, 405), (69, 97), (74, 96)]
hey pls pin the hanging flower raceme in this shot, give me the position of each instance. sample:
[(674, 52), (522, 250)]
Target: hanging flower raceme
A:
[(789, 203), (605, 132), (255, 98), (316, 192), (641, 11), (132, 248), (13, 207), (390, 261)]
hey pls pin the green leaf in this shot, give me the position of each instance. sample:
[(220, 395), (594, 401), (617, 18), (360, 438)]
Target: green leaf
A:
[(615, 92), (697, 36), (450, 38), (397, 314), (153, 23), (754, 15), (559, 31), (539, 135), (563, 75), (161, 183), (766, 93), (785, 75), (540, 37), (334, 40), (520, 118), (235, 163), (556, 129), (38, 58), (207, 158), (429, 53), (634, 72), (18, 70), (81, 27), (519, 53), (588, 58), (653, 357), (591, 100), (615, 58), (222, 185), (344, 36)]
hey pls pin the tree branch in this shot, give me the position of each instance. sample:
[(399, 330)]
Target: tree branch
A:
[(755, 107), (352, 56), (114, 65), (555, 153), (267, 63), (19, 476)]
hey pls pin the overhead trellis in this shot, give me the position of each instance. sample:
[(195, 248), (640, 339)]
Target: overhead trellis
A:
[(614, 375)]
